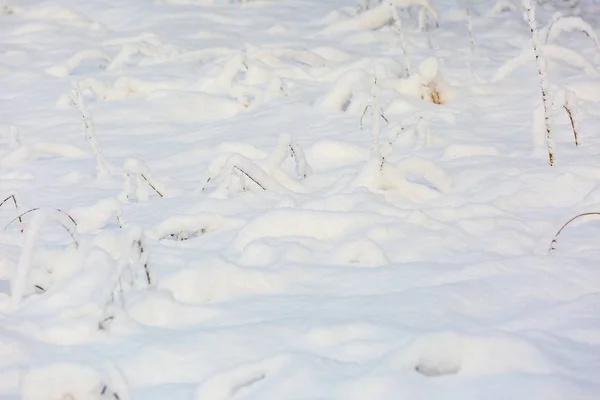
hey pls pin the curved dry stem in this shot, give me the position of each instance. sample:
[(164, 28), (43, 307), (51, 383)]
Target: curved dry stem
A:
[(69, 230), (554, 240), (14, 199)]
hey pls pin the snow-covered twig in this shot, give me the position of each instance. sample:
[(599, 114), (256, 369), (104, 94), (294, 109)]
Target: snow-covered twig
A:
[(541, 66), (470, 27), (256, 174), (561, 24), (548, 51), (102, 167), (139, 177), (302, 167), (133, 259), (377, 113), (19, 279), (397, 27)]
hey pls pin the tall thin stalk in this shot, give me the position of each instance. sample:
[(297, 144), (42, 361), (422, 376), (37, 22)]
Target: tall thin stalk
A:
[(541, 66)]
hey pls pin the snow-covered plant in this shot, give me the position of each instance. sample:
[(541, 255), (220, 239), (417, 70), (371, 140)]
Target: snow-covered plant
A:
[(431, 84), (571, 107), (286, 148), (18, 283), (541, 67), (55, 214), (14, 197), (397, 27), (131, 272), (138, 179), (381, 15), (426, 10), (412, 126), (560, 3), (377, 114), (470, 26), (89, 131), (239, 172), (560, 24), (427, 83), (548, 52)]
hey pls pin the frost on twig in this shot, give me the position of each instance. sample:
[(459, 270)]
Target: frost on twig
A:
[(89, 131)]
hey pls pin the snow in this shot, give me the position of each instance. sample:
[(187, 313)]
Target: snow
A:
[(289, 199)]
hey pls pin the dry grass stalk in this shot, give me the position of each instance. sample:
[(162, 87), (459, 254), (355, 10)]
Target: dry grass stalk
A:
[(71, 231), (572, 122), (251, 178), (151, 185), (554, 240), (14, 199), (541, 66)]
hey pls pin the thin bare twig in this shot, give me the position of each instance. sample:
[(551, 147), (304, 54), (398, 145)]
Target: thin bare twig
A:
[(572, 122), (152, 186), (206, 183), (554, 240), (363, 115), (14, 199), (251, 178)]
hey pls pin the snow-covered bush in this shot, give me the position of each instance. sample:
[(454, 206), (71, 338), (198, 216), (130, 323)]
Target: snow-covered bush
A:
[(237, 172)]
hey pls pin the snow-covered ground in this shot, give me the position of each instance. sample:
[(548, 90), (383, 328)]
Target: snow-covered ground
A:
[(262, 200)]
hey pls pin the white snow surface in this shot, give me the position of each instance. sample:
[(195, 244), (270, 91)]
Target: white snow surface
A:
[(252, 200)]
